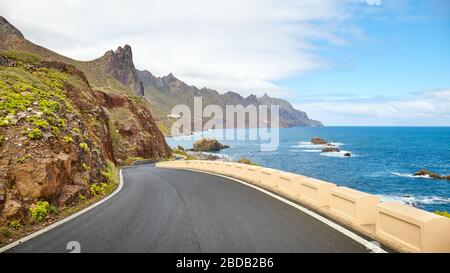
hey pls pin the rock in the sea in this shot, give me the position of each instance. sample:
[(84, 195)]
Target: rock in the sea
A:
[(347, 154), (330, 149), (425, 172), (208, 145), (317, 140)]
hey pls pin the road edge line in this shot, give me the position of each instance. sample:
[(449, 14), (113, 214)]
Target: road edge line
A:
[(65, 220), (369, 245)]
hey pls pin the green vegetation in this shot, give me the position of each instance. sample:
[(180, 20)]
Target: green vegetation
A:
[(164, 128), (130, 160), (35, 134), (81, 197), (68, 139), (52, 209), (15, 224), (4, 122), (247, 161), (97, 189), (1, 139), (55, 130), (33, 98), (84, 146), (6, 233), (107, 175), (24, 158), (41, 123), (85, 166), (181, 151), (39, 211), (443, 213), (22, 56)]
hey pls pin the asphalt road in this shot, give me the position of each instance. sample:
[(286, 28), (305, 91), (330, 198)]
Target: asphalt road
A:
[(164, 210)]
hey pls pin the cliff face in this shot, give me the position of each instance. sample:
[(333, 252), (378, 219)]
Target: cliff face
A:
[(59, 132), (119, 64), (55, 142), (133, 131)]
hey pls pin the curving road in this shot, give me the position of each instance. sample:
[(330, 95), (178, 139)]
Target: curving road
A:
[(164, 210)]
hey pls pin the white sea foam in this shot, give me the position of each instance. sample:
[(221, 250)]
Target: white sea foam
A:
[(340, 154), (408, 175), (317, 145), (415, 200), (222, 156), (311, 151), (309, 145)]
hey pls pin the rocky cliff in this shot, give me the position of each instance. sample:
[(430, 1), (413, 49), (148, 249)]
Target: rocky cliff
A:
[(119, 64), (55, 142), (134, 132), (59, 133)]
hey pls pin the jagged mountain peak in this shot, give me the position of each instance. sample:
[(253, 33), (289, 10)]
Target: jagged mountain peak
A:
[(121, 54), (119, 64), (8, 29)]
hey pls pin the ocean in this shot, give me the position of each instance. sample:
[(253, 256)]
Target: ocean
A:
[(383, 162)]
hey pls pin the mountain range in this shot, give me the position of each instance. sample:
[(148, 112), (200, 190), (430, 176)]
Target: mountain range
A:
[(115, 72)]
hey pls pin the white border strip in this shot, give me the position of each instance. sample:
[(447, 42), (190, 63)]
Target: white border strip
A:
[(369, 245), (67, 219)]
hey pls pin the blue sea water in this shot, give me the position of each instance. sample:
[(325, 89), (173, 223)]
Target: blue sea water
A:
[(383, 161)]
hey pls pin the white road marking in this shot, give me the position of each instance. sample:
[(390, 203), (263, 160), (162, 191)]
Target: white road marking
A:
[(67, 219), (374, 247)]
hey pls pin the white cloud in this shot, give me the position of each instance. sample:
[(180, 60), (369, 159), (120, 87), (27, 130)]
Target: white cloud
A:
[(426, 108), (228, 45)]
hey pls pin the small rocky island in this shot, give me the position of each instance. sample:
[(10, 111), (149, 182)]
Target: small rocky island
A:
[(329, 147), (318, 141), (427, 173), (208, 145)]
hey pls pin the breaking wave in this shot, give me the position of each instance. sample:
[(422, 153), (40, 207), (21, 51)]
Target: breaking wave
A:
[(416, 200)]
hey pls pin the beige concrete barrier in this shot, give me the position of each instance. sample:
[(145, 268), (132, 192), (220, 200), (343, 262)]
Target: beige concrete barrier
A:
[(240, 171), (413, 229), (228, 169), (267, 177), (251, 173), (216, 167), (247, 172), (289, 183), (358, 207), (315, 192)]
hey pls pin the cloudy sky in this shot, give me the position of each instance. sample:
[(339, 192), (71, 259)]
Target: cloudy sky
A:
[(349, 62)]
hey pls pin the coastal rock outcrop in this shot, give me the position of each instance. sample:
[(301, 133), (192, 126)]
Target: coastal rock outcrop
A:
[(208, 145), (318, 141), (330, 150), (425, 172)]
